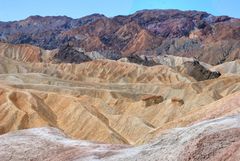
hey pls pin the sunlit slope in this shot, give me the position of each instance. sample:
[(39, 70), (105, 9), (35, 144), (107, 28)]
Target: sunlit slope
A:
[(104, 100)]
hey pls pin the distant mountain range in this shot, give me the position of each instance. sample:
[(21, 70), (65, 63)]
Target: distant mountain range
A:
[(160, 97), (208, 38)]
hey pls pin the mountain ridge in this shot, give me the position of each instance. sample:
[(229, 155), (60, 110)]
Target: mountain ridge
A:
[(208, 38), (153, 85)]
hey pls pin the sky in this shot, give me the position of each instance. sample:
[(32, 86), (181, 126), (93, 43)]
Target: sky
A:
[(20, 9)]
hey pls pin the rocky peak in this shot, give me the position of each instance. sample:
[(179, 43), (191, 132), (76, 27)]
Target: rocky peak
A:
[(68, 54)]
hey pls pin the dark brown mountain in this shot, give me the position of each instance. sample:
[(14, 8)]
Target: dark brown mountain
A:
[(198, 72), (68, 54), (149, 32)]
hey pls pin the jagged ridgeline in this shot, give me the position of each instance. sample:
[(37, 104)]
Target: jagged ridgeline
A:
[(154, 85), (208, 38)]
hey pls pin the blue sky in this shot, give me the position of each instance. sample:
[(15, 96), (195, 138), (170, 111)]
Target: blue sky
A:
[(20, 9)]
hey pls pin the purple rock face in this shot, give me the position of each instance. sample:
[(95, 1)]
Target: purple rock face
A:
[(184, 33)]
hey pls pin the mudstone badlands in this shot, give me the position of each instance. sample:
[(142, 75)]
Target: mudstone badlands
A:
[(156, 85)]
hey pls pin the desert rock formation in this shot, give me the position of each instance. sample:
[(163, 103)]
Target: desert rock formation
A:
[(109, 101), (154, 85), (210, 39), (216, 139)]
